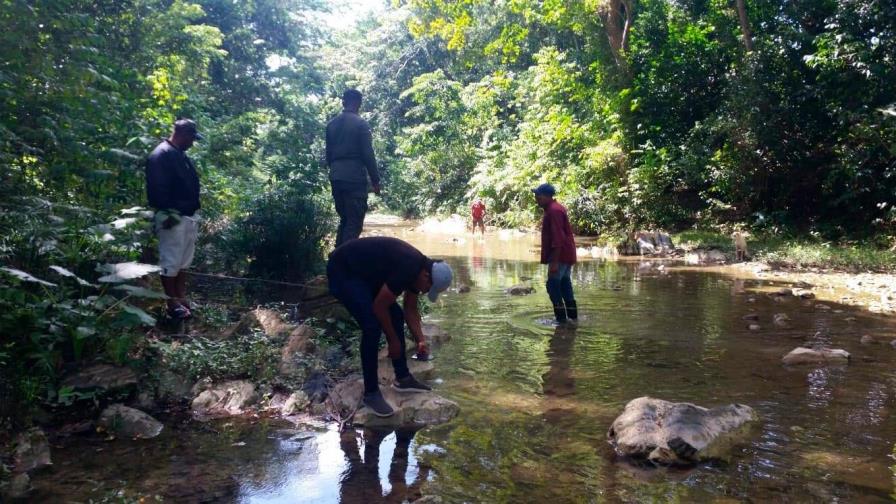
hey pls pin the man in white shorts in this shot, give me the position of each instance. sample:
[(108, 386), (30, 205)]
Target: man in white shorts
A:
[(172, 187)]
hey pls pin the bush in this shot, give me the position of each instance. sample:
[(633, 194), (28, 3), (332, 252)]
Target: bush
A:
[(281, 235)]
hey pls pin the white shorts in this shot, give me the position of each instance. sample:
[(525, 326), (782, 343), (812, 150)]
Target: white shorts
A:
[(177, 244)]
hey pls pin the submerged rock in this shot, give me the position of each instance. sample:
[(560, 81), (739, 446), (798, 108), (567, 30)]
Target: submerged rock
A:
[(669, 433), (802, 355), (868, 339), (751, 317), (129, 422), (754, 327), (781, 320), (32, 451), (224, 399), (412, 408), (103, 377), (519, 290)]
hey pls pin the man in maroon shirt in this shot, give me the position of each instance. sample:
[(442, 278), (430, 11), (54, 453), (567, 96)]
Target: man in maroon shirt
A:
[(558, 251)]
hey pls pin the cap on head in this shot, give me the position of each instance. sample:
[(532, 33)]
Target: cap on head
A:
[(545, 190), (441, 279), (187, 127), (352, 96)]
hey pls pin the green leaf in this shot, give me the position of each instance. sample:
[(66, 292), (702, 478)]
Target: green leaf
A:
[(135, 291), (26, 277), (121, 272), (145, 318), (66, 273)]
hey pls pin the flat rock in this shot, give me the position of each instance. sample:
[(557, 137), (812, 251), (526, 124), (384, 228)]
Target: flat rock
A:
[(31, 451), (414, 408), (129, 422), (669, 433), (519, 290), (803, 355), (224, 399), (104, 377)]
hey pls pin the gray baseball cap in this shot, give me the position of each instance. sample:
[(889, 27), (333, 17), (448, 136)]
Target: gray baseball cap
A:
[(441, 279)]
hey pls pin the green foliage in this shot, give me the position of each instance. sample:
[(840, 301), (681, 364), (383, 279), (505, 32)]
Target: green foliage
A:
[(241, 356)]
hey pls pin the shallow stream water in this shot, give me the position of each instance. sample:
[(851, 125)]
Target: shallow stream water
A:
[(536, 401)]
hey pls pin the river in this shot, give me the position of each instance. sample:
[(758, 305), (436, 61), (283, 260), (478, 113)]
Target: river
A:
[(536, 401)]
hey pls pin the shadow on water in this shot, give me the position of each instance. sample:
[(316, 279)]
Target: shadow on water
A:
[(536, 400)]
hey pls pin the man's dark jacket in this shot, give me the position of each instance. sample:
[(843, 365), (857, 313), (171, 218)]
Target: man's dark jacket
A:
[(350, 150)]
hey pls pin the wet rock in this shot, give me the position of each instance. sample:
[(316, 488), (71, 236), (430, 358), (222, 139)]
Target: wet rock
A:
[(416, 408), (129, 422), (434, 333), (173, 386), (463, 289), (781, 320), (300, 341), (519, 290), (295, 403), (19, 486), (102, 377), (784, 292), (822, 307), (701, 256), (853, 470), (268, 321), (224, 399), (893, 344), (31, 451), (821, 355), (751, 317), (754, 327), (145, 400), (868, 339), (678, 433), (317, 386), (850, 319)]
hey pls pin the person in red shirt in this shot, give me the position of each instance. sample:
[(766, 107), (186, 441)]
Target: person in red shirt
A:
[(558, 251), (478, 213)]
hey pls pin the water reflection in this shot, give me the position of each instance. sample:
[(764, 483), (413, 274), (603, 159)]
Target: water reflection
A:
[(366, 455)]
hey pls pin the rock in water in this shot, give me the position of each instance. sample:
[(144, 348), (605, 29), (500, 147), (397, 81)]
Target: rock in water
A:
[(519, 290), (678, 433), (32, 451), (224, 399), (411, 408), (782, 320), (868, 339), (129, 422), (802, 355)]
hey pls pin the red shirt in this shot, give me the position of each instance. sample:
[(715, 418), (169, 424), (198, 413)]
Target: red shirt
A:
[(478, 210), (557, 233)]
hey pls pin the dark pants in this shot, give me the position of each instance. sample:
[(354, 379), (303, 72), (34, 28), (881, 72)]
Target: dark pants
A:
[(351, 205), (559, 287), (358, 300)]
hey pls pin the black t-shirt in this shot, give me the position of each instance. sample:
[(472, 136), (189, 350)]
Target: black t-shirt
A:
[(171, 180), (380, 260)]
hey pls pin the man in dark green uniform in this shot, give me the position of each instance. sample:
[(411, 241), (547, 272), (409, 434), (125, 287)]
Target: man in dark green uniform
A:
[(351, 160)]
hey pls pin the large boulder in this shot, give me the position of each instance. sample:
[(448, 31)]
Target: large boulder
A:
[(670, 433), (101, 377), (30, 451), (414, 408), (129, 422), (223, 399), (819, 355)]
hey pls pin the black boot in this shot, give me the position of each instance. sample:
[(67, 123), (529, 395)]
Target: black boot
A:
[(572, 310), (560, 314)]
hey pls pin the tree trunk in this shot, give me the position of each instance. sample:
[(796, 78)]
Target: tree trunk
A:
[(617, 18), (744, 23)]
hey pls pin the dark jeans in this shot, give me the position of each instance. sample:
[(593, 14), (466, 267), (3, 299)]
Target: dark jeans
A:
[(351, 205), (559, 287), (358, 300)]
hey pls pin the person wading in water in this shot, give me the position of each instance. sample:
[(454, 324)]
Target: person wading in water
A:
[(367, 275), (558, 251)]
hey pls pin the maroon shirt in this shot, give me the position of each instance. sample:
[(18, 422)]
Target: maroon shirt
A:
[(557, 233)]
